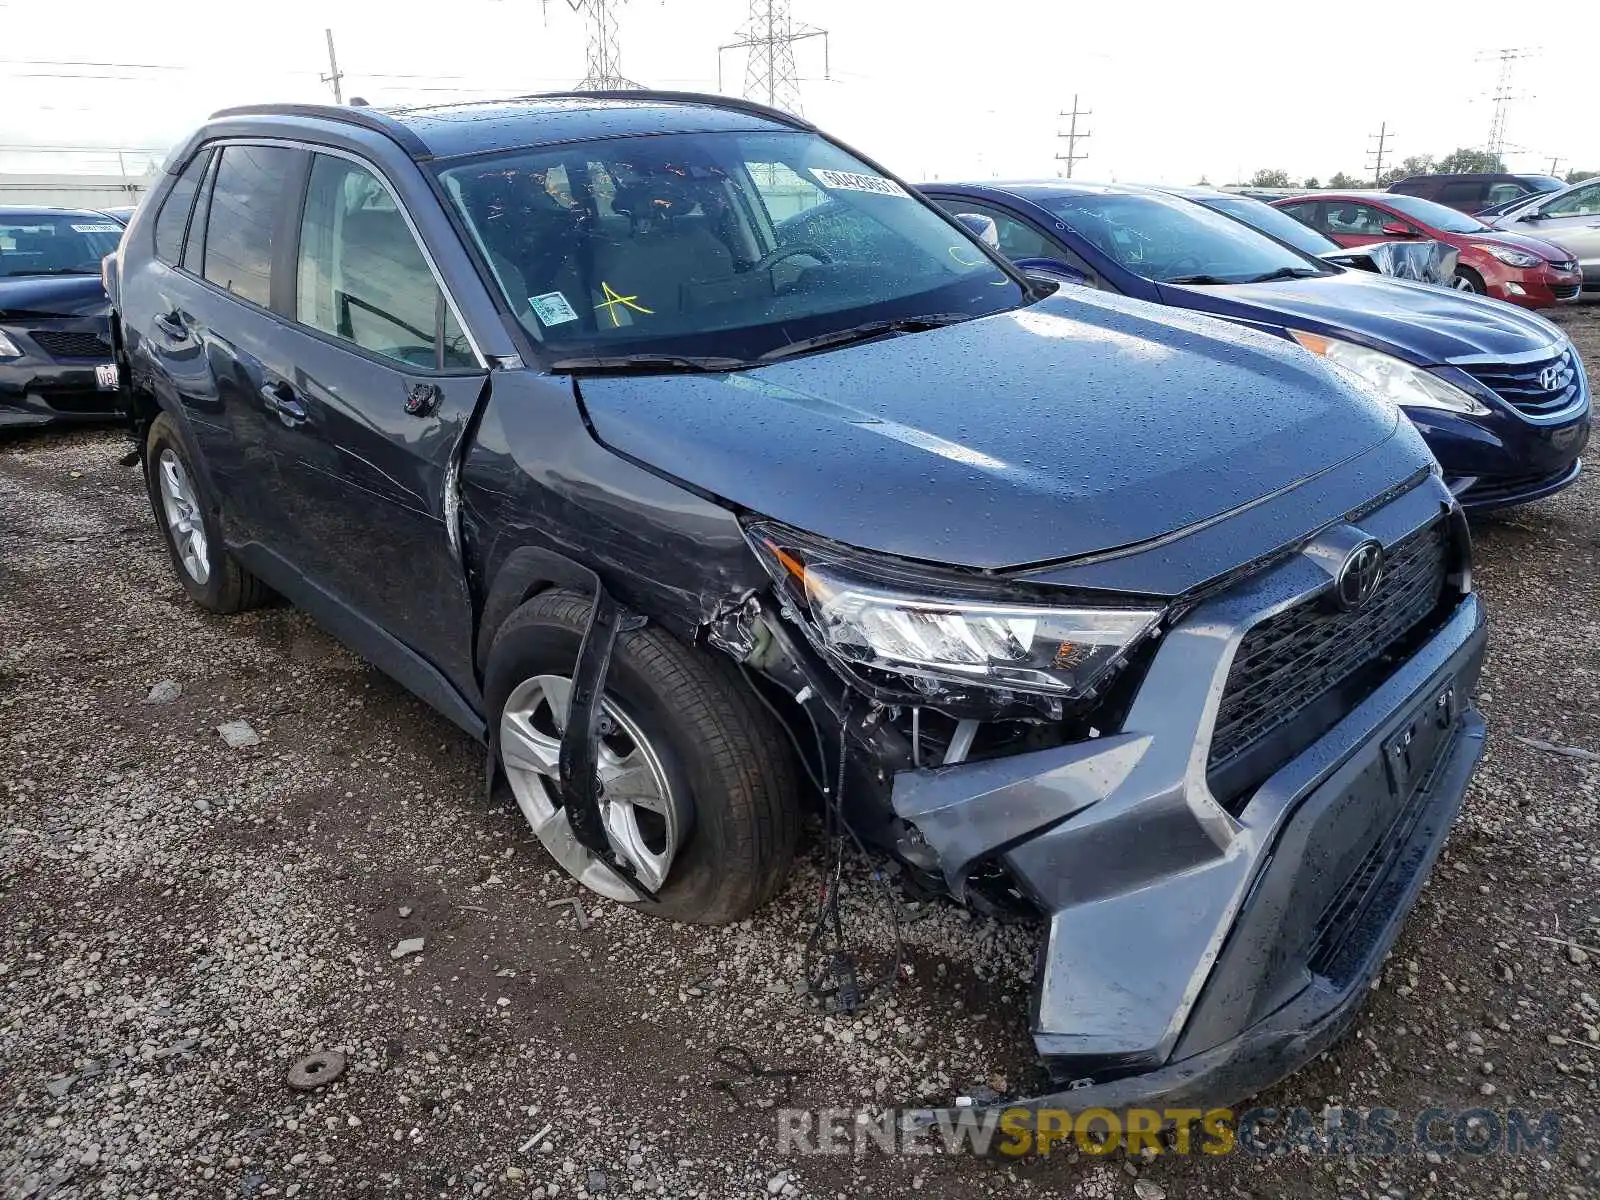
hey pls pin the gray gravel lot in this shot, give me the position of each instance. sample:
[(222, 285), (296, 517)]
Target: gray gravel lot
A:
[(181, 920)]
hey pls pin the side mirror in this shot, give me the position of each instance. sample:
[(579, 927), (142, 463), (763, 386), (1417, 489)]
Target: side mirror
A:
[(1534, 214), (1396, 230), (1052, 268), (981, 227)]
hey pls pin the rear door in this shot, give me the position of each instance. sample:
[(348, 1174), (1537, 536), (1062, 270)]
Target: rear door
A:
[(374, 387)]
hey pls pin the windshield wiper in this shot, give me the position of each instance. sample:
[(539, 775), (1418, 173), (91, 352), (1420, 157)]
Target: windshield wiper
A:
[(860, 333), (646, 364), (1285, 273), (1198, 279)]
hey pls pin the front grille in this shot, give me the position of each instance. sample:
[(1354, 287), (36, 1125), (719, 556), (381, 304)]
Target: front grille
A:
[(58, 344), (1566, 292), (1293, 672), (1520, 386), (1490, 488)]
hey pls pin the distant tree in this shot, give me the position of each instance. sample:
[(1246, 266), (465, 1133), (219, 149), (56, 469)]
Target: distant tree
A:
[(1416, 164), (1266, 178), (1580, 176), (1311, 183), (1343, 183), (1470, 160)]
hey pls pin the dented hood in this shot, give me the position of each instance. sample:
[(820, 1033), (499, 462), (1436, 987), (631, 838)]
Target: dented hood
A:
[(1079, 424)]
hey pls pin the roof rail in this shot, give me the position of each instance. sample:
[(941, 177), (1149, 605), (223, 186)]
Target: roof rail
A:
[(710, 99), (366, 118)]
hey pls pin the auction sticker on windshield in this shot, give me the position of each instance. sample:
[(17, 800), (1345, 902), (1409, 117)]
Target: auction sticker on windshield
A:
[(553, 308), (107, 228), (852, 181)]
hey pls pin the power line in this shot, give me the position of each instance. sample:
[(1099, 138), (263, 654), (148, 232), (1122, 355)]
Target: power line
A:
[(1383, 135), (1073, 137), (768, 36)]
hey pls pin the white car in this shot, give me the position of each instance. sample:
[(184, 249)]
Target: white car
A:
[(1569, 218)]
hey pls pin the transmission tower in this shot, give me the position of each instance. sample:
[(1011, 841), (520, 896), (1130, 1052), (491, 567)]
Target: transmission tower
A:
[(768, 37), (1503, 95), (603, 56)]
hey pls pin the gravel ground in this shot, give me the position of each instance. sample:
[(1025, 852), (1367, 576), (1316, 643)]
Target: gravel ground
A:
[(183, 920)]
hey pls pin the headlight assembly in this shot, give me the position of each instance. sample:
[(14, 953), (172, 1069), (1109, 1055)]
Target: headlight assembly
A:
[(935, 636), (8, 348), (1392, 378), (1510, 255)]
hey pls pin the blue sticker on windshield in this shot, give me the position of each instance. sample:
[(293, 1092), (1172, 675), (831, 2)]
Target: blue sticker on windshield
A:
[(552, 308)]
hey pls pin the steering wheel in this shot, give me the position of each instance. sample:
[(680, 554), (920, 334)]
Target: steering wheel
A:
[(1175, 267), (773, 257)]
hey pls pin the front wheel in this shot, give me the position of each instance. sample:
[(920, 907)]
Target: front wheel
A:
[(1468, 280), (697, 787)]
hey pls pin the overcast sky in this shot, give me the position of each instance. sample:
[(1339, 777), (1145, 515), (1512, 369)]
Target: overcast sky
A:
[(1179, 89)]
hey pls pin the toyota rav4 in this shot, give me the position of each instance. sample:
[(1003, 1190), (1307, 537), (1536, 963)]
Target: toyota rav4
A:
[(703, 471)]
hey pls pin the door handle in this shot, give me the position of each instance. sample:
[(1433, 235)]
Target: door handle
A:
[(172, 325), (281, 400)]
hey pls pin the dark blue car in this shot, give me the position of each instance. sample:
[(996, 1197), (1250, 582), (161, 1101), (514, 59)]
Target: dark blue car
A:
[(1498, 393)]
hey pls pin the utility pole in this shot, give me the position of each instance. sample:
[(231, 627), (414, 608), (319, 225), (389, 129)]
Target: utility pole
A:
[(1072, 157), (1383, 135), (334, 75), (768, 37), (1554, 163), (1502, 94), (603, 54)]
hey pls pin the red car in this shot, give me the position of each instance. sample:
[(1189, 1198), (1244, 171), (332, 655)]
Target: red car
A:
[(1508, 266)]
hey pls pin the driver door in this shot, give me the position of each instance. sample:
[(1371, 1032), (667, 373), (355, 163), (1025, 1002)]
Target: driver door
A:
[(375, 389)]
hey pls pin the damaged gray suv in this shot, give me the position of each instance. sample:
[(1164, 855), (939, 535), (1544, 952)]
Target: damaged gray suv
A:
[(705, 472)]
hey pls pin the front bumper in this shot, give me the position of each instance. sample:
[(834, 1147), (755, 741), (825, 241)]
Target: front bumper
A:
[(40, 389), (1198, 955)]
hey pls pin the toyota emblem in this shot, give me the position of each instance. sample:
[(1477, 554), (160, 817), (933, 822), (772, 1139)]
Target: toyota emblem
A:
[(1549, 377), (1360, 576)]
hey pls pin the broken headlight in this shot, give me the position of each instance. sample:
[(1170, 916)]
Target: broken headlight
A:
[(936, 632)]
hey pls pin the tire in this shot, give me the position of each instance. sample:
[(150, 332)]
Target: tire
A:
[(711, 736), (1468, 280), (226, 587)]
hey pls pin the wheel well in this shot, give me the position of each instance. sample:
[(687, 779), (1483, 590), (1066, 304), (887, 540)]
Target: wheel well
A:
[(525, 573)]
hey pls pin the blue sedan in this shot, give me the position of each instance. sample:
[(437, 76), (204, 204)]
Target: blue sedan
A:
[(1499, 393)]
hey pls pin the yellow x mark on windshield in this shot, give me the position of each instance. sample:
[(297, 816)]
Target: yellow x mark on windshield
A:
[(613, 301)]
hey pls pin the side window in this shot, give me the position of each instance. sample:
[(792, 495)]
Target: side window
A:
[(1580, 202), (1306, 213), (246, 205), (1502, 192), (173, 219), (363, 278), (1018, 239), (1347, 217), (783, 192), (1469, 194)]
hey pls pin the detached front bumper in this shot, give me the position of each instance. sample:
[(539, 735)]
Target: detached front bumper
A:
[(1196, 955)]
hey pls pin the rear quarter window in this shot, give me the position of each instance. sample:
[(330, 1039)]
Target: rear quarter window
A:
[(173, 219)]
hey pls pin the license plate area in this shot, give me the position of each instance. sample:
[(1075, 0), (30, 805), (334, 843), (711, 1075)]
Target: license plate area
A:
[(1410, 753), (105, 377)]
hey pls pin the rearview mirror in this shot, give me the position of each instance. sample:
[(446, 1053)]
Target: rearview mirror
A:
[(981, 227)]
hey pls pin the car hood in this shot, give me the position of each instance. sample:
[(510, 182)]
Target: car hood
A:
[(52, 296), (1418, 322), (1082, 423), (1546, 250)]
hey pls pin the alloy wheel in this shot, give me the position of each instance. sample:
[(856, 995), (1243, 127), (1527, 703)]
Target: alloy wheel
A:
[(181, 505), (646, 821)]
